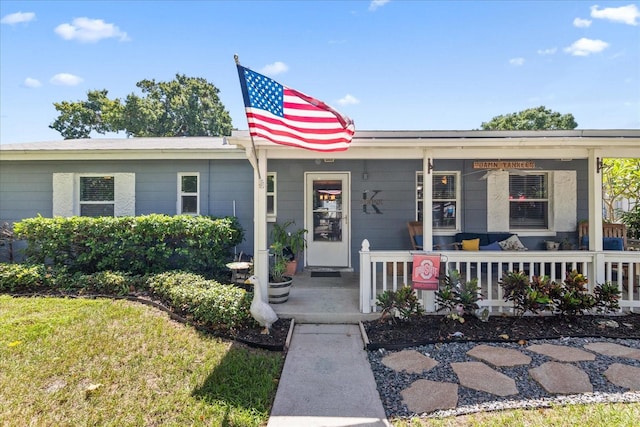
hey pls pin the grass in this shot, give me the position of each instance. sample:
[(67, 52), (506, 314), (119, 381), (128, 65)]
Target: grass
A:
[(600, 414), (67, 362)]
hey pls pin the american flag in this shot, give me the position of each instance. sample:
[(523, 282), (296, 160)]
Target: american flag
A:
[(289, 117)]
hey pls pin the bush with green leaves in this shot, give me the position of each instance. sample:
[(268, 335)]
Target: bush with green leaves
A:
[(458, 296), (138, 245), (526, 295), (402, 304), (22, 278), (217, 306)]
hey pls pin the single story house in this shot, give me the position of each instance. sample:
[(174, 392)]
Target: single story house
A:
[(356, 204)]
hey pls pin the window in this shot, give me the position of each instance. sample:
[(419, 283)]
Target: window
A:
[(94, 194), (272, 204), (445, 199), (534, 204), (189, 193), (528, 201), (97, 196)]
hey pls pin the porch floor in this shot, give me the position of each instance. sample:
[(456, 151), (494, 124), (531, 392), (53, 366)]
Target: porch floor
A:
[(324, 299)]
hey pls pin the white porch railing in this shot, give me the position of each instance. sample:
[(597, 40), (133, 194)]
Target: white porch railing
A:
[(390, 270)]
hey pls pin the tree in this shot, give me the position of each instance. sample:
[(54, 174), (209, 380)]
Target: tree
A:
[(539, 118), (185, 106), (620, 180)]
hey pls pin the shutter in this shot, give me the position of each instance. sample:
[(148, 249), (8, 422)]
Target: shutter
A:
[(565, 201), (63, 190), (125, 193), (498, 201)]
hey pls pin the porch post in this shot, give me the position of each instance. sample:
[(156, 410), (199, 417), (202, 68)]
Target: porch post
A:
[(428, 297), (365, 278), (261, 250), (595, 215)]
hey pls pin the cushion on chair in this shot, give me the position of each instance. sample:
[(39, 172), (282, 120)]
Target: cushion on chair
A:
[(471, 245), (512, 244), (613, 243), (495, 246)]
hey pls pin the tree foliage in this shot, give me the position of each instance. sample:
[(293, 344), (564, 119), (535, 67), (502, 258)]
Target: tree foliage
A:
[(185, 106), (539, 118), (620, 180)]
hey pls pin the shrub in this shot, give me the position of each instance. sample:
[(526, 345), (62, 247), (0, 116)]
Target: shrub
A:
[(137, 245), (20, 278), (402, 304), (210, 303), (460, 297), (526, 295)]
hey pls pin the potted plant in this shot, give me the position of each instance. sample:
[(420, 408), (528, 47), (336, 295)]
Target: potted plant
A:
[(291, 242), (279, 281)]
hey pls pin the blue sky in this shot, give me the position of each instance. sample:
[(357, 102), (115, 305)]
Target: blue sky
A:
[(389, 65)]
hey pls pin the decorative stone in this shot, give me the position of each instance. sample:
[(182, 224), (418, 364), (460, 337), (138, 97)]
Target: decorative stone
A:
[(478, 376), (624, 376), (615, 350), (561, 378), (425, 396), (498, 356), (562, 353), (410, 361)]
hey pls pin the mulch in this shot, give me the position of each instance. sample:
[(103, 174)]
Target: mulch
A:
[(431, 329)]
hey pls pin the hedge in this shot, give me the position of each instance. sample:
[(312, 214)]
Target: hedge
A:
[(138, 245)]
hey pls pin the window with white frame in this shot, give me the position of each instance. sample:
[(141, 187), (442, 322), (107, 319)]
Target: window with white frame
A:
[(272, 204), (445, 203), (94, 194), (528, 201), (97, 196), (189, 193)]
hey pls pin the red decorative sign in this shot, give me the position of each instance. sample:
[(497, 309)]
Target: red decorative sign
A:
[(425, 272)]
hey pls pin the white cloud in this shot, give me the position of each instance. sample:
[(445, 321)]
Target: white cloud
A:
[(275, 68), (549, 51), (18, 17), (89, 31), (348, 99), (377, 3), (581, 23), (66, 79), (623, 14), (585, 47), (516, 61), (31, 83)]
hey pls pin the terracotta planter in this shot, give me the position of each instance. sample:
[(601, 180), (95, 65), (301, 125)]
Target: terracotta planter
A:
[(279, 292), (292, 266)]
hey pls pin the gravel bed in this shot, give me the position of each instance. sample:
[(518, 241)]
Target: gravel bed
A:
[(531, 395)]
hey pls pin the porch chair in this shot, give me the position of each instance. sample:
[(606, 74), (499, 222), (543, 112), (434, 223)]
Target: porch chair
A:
[(415, 232), (614, 236)]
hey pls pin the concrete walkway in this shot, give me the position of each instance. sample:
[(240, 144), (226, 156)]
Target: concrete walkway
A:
[(327, 380)]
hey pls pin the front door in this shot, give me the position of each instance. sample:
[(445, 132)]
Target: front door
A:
[(327, 219)]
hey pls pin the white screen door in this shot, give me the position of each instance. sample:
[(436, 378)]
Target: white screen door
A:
[(327, 219)]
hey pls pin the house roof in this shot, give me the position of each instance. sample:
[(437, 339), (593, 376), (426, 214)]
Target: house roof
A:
[(366, 144)]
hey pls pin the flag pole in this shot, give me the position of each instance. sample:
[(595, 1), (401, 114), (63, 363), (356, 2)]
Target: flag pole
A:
[(253, 160)]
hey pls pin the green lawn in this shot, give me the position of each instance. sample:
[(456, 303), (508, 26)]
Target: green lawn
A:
[(68, 362)]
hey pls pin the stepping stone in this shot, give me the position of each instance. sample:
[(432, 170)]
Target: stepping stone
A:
[(498, 356), (561, 378), (478, 376), (615, 350), (624, 376), (562, 353), (427, 396), (410, 361)]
